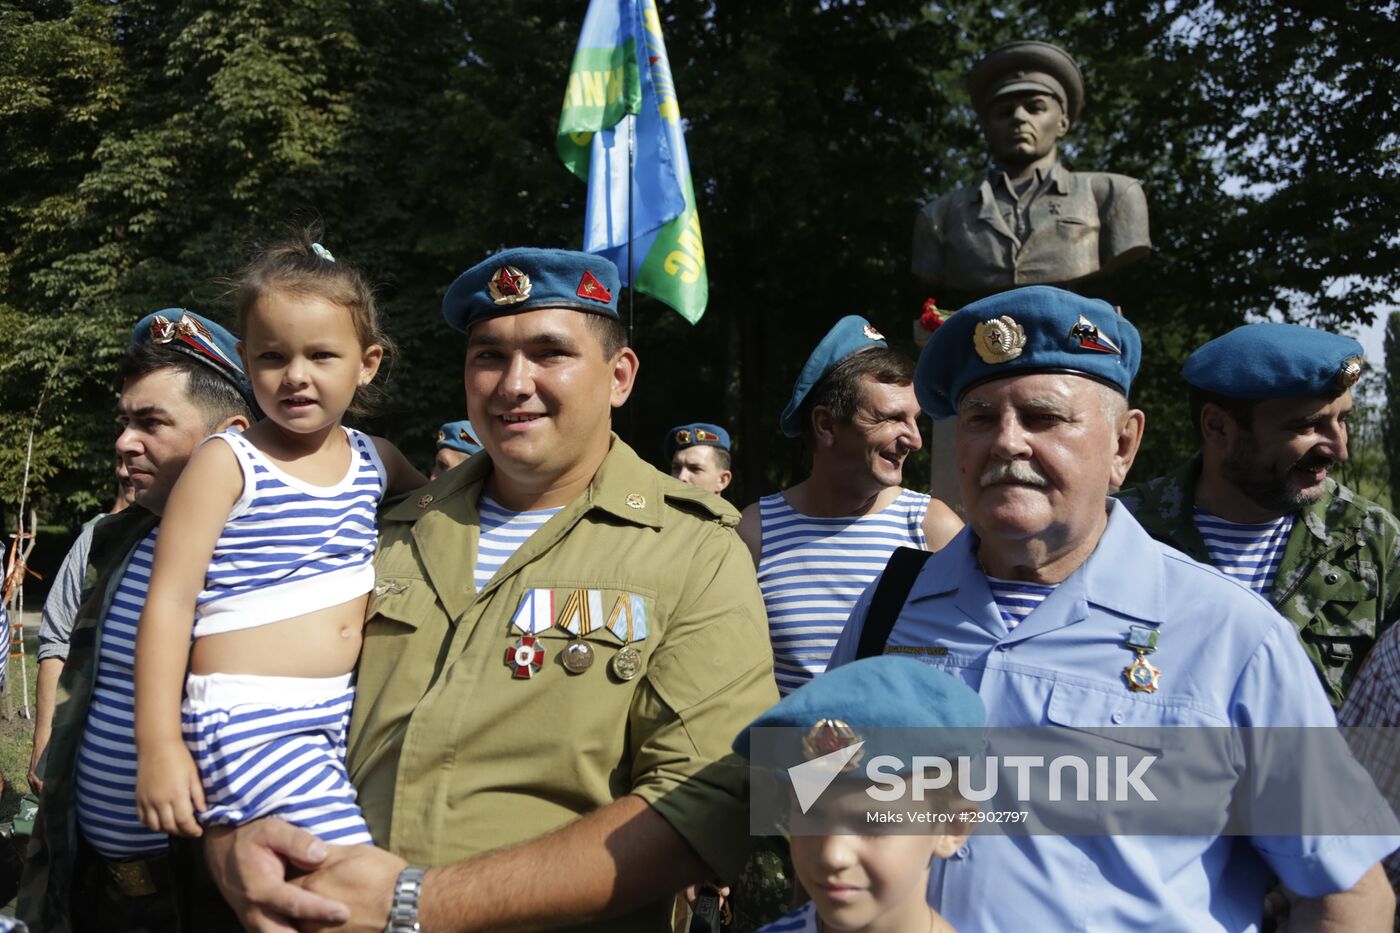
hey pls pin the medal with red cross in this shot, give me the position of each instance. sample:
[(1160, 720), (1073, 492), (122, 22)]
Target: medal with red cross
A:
[(525, 657)]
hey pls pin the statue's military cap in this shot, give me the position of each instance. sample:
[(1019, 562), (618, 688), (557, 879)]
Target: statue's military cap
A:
[(1263, 361), (890, 692), (458, 435), (851, 334), (1027, 66), (696, 434), (1026, 330), (528, 279), (198, 338)]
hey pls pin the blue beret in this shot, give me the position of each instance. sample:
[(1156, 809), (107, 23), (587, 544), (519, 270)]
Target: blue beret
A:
[(851, 334), (458, 435), (1025, 330), (199, 338), (527, 279), (696, 434), (888, 692), (1260, 361)]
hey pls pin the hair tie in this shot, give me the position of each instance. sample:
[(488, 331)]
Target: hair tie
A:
[(321, 251)]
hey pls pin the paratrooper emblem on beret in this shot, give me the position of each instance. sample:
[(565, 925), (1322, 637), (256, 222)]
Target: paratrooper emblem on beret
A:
[(828, 736), (1087, 333), (683, 437), (999, 340), (508, 286), (870, 331), (1349, 372)]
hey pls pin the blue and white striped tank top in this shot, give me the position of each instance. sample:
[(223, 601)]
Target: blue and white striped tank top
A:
[(1248, 554), (289, 547), (502, 533), (106, 783), (812, 570)]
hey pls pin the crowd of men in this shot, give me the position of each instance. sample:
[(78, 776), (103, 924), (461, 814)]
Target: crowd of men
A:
[(592, 781)]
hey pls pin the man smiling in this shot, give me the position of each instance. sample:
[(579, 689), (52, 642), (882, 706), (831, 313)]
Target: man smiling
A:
[(818, 543), (561, 642), (1270, 404)]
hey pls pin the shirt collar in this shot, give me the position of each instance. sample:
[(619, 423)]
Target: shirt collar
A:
[(1104, 578)]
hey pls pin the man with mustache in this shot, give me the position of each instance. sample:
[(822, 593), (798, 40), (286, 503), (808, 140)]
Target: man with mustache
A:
[(1059, 610), (818, 543), (1270, 404)]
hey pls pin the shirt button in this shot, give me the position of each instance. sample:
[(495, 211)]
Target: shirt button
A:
[(1117, 717), (1333, 577), (962, 853)]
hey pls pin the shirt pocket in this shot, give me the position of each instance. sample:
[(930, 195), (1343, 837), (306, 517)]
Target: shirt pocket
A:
[(1184, 758), (400, 600)]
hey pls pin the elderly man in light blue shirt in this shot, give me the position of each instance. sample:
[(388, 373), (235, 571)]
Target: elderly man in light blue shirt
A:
[(1059, 610)]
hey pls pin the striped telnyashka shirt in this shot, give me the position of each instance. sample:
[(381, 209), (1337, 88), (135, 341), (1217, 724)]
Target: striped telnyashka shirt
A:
[(1015, 599), (1249, 554), (289, 547), (502, 533), (812, 570), (106, 784)]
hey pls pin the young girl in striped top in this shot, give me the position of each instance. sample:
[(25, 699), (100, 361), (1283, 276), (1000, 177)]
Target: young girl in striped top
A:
[(264, 553)]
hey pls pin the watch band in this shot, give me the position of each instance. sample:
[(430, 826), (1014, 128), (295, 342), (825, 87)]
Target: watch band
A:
[(403, 911)]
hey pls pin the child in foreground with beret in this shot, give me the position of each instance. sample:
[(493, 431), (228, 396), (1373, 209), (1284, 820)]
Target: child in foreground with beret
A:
[(864, 875)]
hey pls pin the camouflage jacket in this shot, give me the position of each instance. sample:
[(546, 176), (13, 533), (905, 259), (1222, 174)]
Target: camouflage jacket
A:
[(1339, 578)]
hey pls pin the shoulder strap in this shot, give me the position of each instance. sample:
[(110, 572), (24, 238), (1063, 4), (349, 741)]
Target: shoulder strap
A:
[(891, 592)]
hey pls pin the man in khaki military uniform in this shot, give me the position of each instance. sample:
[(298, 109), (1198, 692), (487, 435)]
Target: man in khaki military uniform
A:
[(1270, 403), (562, 645)]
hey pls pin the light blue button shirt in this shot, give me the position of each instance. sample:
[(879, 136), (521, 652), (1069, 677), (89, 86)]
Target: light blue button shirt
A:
[(1226, 659)]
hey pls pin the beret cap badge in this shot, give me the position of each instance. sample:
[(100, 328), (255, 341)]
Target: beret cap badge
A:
[(870, 331), (999, 340), (508, 286), (828, 736), (1349, 373)]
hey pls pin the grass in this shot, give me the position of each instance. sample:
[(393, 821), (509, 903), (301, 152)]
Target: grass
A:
[(17, 732)]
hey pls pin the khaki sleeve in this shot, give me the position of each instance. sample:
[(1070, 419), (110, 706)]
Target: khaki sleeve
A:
[(1123, 236), (711, 677)]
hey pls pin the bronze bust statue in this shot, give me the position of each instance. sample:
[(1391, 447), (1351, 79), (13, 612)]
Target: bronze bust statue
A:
[(1031, 221)]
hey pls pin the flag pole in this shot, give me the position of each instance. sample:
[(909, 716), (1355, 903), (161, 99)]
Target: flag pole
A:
[(631, 183)]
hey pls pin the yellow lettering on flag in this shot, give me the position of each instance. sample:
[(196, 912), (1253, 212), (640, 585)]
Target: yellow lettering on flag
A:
[(594, 89), (688, 261)]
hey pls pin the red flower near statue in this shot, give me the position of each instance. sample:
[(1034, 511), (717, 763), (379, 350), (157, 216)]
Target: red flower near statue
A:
[(931, 319)]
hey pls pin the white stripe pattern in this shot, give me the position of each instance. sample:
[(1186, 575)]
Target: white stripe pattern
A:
[(106, 780), (1017, 599), (259, 760), (1248, 554), (502, 533), (812, 570), (284, 538)]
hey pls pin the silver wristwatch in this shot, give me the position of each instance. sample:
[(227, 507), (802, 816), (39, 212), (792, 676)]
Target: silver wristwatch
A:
[(403, 912)]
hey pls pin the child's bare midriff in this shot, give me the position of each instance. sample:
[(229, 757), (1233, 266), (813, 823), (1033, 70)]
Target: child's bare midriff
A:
[(324, 643)]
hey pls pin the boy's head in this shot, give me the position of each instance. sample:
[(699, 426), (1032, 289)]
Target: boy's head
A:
[(865, 857)]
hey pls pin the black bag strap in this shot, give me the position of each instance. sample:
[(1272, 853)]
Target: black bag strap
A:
[(890, 595)]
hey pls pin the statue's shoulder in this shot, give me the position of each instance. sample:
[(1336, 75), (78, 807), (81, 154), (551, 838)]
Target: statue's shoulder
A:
[(1107, 184), (956, 199)]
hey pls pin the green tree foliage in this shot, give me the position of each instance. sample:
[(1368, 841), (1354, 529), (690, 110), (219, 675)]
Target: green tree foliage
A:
[(146, 145), (1391, 404)]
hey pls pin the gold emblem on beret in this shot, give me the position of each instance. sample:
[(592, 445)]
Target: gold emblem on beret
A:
[(831, 735), (683, 437), (1349, 372), (442, 436), (508, 286), (999, 340)]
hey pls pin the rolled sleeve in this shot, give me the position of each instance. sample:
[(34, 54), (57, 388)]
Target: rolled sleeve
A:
[(61, 605), (713, 676), (1317, 865)]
